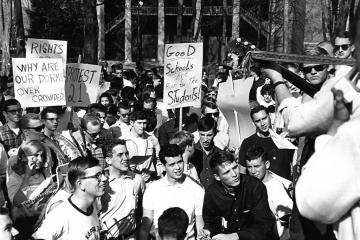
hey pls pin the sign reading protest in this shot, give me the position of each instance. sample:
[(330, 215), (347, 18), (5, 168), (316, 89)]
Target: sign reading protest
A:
[(39, 82), (46, 48), (82, 84), (182, 74)]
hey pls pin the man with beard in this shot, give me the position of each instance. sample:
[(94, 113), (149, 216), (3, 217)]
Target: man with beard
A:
[(280, 159), (77, 218)]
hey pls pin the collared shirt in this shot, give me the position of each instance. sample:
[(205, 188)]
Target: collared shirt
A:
[(9, 139), (247, 212), (201, 162), (188, 195)]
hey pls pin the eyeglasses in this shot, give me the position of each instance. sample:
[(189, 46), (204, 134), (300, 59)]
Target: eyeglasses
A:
[(125, 114), (92, 135), (343, 47), (37, 129), (317, 68), (215, 114), (98, 175), (15, 111)]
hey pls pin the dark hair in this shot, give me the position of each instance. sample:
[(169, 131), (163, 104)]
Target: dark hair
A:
[(219, 158), (25, 119), (182, 139), (267, 88), (89, 118), (173, 222), (137, 115), (4, 211), (146, 91), (345, 34), (169, 150), (127, 92), (129, 74), (256, 152), (124, 104), (107, 95), (208, 104), (95, 108), (47, 110), (207, 123), (78, 166), (257, 109), (113, 143), (10, 102), (112, 109)]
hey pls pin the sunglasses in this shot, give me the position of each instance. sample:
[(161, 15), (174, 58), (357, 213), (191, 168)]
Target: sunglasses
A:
[(98, 175), (317, 68), (15, 111), (343, 47), (92, 135), (215, 114), (125, 114), (37, 129)]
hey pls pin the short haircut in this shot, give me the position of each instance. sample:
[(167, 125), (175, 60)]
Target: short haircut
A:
[(267, 88), (129, 74), (182, 139), (257, 109), (219, 158), (256, 152), (113, 143), (124, 104), (127, 92), (345, 34), (169, 150), (173, 222), (138, 115), (106, 95), (78, 166), (25, 119), (211, 105), (89, 118), (9, 102), (47, 110), (95, 108), (112, 109), (207, 123)]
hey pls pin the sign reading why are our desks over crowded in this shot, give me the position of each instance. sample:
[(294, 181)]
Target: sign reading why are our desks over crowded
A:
[(82, 84), (39, 81), (46, 48), (182, 74)]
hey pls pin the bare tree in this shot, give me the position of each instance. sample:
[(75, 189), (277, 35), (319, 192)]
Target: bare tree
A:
[(298, 27), (5, 20), (179, 20), (161, 31), (19, 29), (91, 32), (128, 32), (236, 19)]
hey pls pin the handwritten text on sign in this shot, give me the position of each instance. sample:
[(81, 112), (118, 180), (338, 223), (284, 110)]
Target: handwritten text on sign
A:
[(82, 84), (182, 74), (39, 81)]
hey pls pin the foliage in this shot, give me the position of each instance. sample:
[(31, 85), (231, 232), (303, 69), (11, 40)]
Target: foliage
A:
[(57, 19)]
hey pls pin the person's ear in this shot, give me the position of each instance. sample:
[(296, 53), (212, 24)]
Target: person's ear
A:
[(79, 184), (108, 160), (216, 176), (352, 48), (267, 164)]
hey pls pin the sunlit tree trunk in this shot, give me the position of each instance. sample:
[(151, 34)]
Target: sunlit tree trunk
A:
[(128, 32), (100, 9), (236, 19), (298, 27), (197, 24), (91, 32), (326, 20), (161, 32), (286, 28), (223, 35), (5, 24)]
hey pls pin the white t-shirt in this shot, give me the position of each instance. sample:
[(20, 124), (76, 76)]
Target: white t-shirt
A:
[(68, 222), (161, 195)]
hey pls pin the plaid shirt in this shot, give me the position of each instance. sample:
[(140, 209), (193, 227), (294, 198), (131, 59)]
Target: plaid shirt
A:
[(9, 139)]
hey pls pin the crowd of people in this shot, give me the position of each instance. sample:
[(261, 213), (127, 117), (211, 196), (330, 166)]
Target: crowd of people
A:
[(126, 167)]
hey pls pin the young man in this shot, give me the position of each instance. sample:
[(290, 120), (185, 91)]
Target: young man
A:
[(51, 120), (173, 190), (173, 224), (122, 202), (10, 134), (7, 231), (141, 144), (280, 159), (239, 199), (280, 203), (77, 218), (344, 45), (124, 122)]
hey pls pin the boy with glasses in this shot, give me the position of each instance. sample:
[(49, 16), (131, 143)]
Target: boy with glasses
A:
[(124, 122), (77, 218), (343, 45)]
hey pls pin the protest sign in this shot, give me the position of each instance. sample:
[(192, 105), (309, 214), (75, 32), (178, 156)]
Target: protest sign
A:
[(182, 74), (46, 48), (39, 81), (82, 84)]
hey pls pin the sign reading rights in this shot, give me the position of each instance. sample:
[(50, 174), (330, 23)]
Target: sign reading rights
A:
[(82, 84), (182, 74), (46, 48), (39, 81)]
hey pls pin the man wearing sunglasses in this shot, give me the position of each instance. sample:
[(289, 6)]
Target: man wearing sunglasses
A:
[(77, 218), (343, 45), (124, 121)]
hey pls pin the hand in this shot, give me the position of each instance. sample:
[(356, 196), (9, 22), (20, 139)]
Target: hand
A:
[(230, 236), (341, 109), (203, 234)]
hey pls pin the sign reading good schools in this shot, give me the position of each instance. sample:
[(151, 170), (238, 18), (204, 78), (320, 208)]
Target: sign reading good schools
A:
[(82, 84), (46, 48), (39, 81), (182, 74)]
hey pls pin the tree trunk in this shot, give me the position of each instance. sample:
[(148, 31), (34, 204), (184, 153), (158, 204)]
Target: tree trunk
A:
[(19, 29), (223, 35), (128, 32), (100, 9), (5, 24), (286, 32), (179, 20), (344, 6), (326, 20), (236, 19), (298, 27), (193, 18), (199, 14), (161, 32), (91, 32)]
